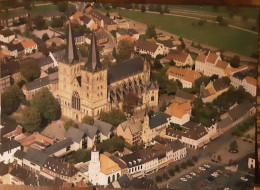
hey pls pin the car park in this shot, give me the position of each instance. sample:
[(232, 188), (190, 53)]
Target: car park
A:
[(183, 179)]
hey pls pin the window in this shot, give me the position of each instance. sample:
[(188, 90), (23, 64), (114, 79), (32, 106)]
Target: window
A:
[(76, 101), (152, 98)]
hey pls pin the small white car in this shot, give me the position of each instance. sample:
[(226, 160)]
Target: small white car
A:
[(188, 176), (206, 166), (193, 173), (183, 179), (244, 179), (202, 168)]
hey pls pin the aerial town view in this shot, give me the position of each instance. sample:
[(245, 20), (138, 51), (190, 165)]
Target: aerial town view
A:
[(128, 95)]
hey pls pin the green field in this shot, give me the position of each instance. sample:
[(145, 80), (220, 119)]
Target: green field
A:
[(230, 39)]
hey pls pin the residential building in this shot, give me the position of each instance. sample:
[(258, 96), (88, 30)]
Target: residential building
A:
[(6, 36), (47, 62), (61, 148), (212, 64), (180, 58), (29, 46), (187, 77), (154, 126), (4, 169), (166, 45), (10, 130), (88, 22), (146, 47), (13, 49), (180, 113), (213, 90), (130, 32), (182, 96), (11, 67), (249, 83), (87, 88), (7, 151), (5, 83), (131, 130)]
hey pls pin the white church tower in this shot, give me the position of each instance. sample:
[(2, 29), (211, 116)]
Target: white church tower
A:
[(94, 167)]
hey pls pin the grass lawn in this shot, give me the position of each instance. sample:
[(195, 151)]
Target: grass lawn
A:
[(230, 39), (43, 9)]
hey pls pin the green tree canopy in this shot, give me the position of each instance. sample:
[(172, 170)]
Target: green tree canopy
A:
[(125, 49), (143, 8), (233, 145), (57, 22), (82, 155), (226, 80), (62, 6), (114, 117), (112, 145), (45, 37), (30, 70), (39, 22), (31, 119), (235, 61), (11, 99), (202, 80), (48, 106), (150, 32), (88, 120)]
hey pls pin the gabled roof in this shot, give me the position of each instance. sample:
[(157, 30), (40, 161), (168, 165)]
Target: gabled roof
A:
[(6, 32), (38, 83), (85, 19), (35, 156), (9, 126), (166, 43), (219, 84), (178, 110), (75, 134), (88, 129), (3, 169), (185, 74), (177, 56), (224, 122), (184, 95), (201, 58), (152, 85), (222, 64), (45, 61), (28, 44), (134, 126), (103, 127), (125, 69), (158, 119), (58, 146), (12, 144), (108, 166), (211, 58), (240, 110), (146, 45), (129, 31), (93, 62)]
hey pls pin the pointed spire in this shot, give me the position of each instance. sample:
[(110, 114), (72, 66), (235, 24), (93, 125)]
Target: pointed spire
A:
[(71, 50), (93, 62)]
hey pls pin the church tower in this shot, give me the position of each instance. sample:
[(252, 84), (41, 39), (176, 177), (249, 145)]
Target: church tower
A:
[(146, 129), (94, 167), (94, 82)]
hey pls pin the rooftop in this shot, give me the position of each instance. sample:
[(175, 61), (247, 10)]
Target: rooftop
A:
[(146, 45), (108, 166), (175, 55), (158, 119)]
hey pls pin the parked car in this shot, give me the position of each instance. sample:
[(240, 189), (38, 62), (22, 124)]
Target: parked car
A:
[(219, 171), (202, 168), (183, 179), (188, 176), (193, 173), (206, 166), (244, 179)]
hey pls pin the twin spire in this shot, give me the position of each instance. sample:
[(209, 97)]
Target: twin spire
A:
[(71, 55)]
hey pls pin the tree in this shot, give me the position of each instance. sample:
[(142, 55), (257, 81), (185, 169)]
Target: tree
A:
[(166, 9), (53, 44), (171, 87), (235, 61), (30, 70), (31, 119), (27, 5), (130, 102), (214, 77), (226, 80), (125, 50), (195, 158), (114, 117), (150, 113), (171, 172), (183, 165), (157, 65), (57, 22), (112, 145), (136, 6), (106, 62), (70, 123), (82, 155), (107, 14), (45, 37), (158, 178), (220, 19), (150, 31), (88, 120), (39, 22), (11, 99), (202, 80), (62, 6), (189, 163), (151, 7), (177, 168), (143, 8), (158, 8), (172, 63), (163, 107), (233, 145), (107, 7), (165, 176), (47, 105)]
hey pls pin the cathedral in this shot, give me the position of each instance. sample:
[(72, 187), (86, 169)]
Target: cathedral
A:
[(88, 88)]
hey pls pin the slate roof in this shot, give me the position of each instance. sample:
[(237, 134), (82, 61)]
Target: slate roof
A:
[(125, 69), (185, 95), (12, 144), (88, 129), (3, 169), (35, 156), (129, 31), (239, 75), (9, 126), (38, 83), (158, 119), (19, 154), (224, 122), (103, 127), (146, 45), (219, 84), (75, 134), (12, 47), (240, 110), (85, 19), (58, 146), (152, 85), (6, 32), (45, 61), (189, 124)]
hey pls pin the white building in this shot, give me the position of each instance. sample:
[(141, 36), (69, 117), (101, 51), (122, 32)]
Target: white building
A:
[(180, 58), (7, 151), (29, 46), (6, 36), (146, 47)]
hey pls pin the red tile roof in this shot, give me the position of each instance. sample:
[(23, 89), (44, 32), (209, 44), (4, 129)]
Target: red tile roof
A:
[(201, 58), (185, 74), (177, 56), (28, 43), (211, 58), (222, 64), (148, 46)]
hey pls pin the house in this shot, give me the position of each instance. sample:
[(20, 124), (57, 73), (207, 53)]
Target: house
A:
[(212, 64), (167, 46), (47, 62), (29, 47), (61, 148), (154, 126), (131, 130), (213, 90), (251, 163), (40, 43), (249, 83), (10, 130), (7, 151), (12, 68), (5, 82), (13, 49), (36, 141), (50, 82), (122, 32), (182, 96), (180, 113), (32, 159), (187, 77), (55, 168), (75, 17), (88, 22), (154, 157), (146, 47), (241, 112), (102, 169), (6, 36)]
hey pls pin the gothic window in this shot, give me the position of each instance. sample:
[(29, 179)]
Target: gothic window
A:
[(76, 100), (152, 98)]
